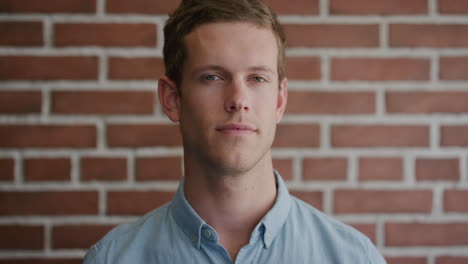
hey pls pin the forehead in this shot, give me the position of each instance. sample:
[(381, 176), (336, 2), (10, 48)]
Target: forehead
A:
[(231, 43)]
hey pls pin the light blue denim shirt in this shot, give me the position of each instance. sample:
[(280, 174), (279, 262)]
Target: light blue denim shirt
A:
[(291, 232)]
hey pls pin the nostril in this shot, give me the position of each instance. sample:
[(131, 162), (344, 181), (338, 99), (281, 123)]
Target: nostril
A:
[(236, 107)]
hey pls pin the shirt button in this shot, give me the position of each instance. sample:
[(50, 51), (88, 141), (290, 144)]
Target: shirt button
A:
[(207, 233), (268, 237), (194, 238)]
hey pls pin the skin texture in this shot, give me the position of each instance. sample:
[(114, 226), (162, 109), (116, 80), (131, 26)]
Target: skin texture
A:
[(228, 106)]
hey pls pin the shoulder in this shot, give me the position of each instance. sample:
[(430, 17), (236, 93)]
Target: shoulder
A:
[(320, 223), (124, 238), (335, 236)]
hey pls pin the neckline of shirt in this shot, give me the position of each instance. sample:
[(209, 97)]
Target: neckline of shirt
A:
[(195, 228)]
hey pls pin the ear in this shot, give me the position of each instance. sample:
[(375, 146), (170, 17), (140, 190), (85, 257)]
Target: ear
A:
[(169, 98), (282, 99)]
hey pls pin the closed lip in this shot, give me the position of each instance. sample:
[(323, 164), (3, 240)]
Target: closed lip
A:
[(235, 127)]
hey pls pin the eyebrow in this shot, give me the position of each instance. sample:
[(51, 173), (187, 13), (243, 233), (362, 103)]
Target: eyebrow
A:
[(262, 69), (265, 69)]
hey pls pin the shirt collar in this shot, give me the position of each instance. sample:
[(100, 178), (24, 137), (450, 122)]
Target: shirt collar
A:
[(276, 217), (192, 224), (186, 217)]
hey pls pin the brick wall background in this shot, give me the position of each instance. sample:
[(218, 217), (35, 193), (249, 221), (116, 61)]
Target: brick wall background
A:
[(376, 131)]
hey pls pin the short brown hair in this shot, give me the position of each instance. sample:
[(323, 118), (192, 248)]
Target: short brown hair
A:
[(193, 13)]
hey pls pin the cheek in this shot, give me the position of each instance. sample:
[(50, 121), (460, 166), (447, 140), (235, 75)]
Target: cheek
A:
[(198, 110), (267, 102)]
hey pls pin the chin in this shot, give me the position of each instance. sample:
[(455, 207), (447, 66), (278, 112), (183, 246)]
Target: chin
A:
[(234, 166), (238, 164)]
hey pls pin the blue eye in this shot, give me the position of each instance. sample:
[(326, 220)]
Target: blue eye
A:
[(211, 77), (258, 79)]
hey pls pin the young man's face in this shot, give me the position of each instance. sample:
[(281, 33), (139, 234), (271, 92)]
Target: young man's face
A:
[(230, 97)]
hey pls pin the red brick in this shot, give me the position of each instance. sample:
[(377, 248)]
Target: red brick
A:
[(300, 7), (93, 34), (136, 68), (313, 198), (380, 169), (454, 136), (136, 202), (78, 236), (368, 230), (453, 68), (48, 68), (21, 34), (47, 6), (406, 260), (284, 167), (378, 7), (332, 36), (47, 169), (47, 136), (380, 69), (426, 234), (427, 102), (297, 136), (142, 6), (48, 203), (41, 261), (382, 201), (103, 169), (158, 168), (455, 201), (303, 68), (437, 169), (451, 260), (21, 237), (453, 7), (328, 169), (7, 169), (144, 135), (429, 35), (165, 7), (20, 102), (103, 102), (330, 102), (380, 136)]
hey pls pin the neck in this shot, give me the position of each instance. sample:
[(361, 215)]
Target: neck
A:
[(232, 204)]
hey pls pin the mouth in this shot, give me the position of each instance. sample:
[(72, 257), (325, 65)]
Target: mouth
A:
[(236, 129)]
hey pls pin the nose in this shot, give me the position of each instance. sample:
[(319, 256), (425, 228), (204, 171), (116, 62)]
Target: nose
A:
[(236, 97)]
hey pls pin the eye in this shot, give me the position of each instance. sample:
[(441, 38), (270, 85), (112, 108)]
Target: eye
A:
[(211, 77), (258, 79)]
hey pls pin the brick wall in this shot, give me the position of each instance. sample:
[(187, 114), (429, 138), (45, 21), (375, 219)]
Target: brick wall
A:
[(376, 130)]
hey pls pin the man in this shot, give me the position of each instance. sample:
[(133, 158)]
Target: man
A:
[(226, 88)]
